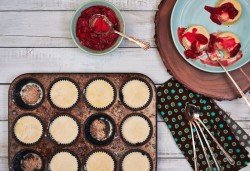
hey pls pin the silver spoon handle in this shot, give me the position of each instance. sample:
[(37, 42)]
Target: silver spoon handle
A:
[(194, 149), (203, 148), (243, 72), (235, 84), (229, 158), (141, 43), (208, 145)]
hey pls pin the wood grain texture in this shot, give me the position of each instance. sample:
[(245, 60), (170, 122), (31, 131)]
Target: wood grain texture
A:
[(216, 86), (74, 4), (52, 28), (15, 61)]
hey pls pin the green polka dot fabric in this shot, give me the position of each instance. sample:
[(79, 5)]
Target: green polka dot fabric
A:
[(171, 100), (239, 133)]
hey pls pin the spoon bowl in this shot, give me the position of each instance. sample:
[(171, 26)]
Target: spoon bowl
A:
[(105, 21)]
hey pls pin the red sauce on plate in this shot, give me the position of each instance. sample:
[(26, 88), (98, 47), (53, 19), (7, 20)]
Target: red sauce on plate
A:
[(89, 37), (197, 39), (227, 10)]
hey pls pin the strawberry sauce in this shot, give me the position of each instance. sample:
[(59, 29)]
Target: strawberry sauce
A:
[(101, 26), (223, 13), (196, 40), (90, 37), (214, 44)]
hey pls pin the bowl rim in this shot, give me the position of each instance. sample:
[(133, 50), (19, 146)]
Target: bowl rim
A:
[(119, 40)]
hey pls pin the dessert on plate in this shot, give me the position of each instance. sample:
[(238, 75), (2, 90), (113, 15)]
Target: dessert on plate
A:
[(228, 44), (194, 39), (198, 43), (226, 12)]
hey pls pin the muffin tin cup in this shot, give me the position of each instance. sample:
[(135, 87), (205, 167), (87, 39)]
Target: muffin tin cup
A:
[(63, 79), (13, 129), (150, 92), (150, 132), (16, 162), (87, 133), (51, 137), (88, 103), (17, 93), (108, 152), (132, 151), (68, 151)]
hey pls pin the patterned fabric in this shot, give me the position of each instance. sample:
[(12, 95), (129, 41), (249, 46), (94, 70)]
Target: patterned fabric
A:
[(239, 133), (171, 99)]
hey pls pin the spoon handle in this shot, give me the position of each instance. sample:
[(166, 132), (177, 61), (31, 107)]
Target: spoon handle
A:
[(229, 158), (243, 72), (203, 148), (194, 149), (235, 84), (208, 145), (141, 43)]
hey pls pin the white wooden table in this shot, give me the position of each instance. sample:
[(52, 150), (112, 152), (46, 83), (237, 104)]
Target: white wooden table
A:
[(35, 37)]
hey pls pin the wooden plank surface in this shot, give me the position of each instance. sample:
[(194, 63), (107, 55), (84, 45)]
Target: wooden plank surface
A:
[(35, 37), (52, 28), (15, 61), (6, 5)]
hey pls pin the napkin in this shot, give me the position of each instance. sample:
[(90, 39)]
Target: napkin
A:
[(171, 100)]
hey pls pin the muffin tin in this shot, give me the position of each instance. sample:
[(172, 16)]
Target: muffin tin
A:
[(81, 111)]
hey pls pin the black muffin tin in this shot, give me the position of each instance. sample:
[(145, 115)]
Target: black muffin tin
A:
[(82, 112)]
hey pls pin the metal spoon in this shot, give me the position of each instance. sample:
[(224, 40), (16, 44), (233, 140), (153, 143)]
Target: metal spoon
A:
[(142, 44), (189, 116), (229, 75), (194, 114), (194, 149)]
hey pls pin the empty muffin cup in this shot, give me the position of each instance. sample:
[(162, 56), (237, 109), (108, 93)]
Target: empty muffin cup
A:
[(28, 93), (28, 160), (100, 129)]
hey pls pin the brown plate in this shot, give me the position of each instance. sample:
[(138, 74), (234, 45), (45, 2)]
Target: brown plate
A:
[(81, 112), (217, 86)]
